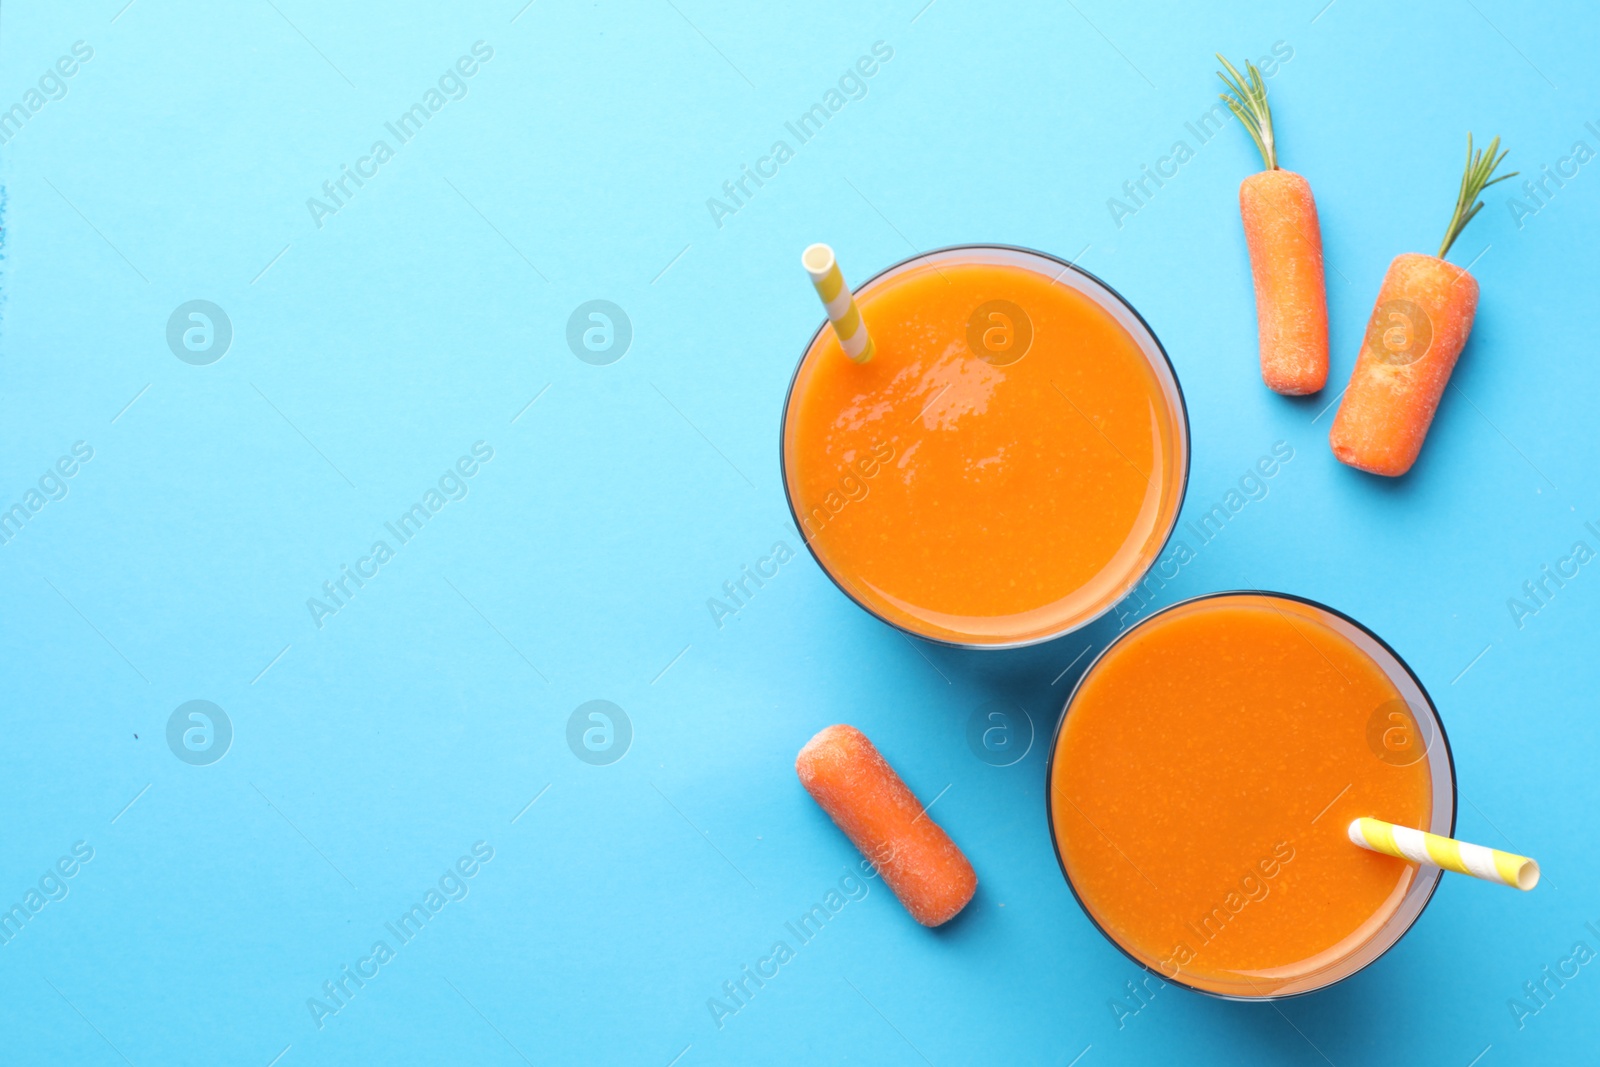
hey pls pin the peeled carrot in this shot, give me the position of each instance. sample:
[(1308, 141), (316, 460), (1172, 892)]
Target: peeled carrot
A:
[(858, 789), (1285, 242), (1416, 333), (1417, 330)]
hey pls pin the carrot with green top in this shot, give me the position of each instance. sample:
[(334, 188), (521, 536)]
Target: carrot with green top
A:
[(1417, 330), (1285, 241)]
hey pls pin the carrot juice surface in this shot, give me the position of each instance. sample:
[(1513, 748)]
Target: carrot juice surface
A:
[(1007, 464), (1202, 781)]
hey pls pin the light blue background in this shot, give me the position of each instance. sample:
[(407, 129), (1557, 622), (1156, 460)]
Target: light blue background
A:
[(370, 353)]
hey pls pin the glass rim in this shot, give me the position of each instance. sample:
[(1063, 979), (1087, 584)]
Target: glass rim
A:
[(1443, 740), (1183, 437)]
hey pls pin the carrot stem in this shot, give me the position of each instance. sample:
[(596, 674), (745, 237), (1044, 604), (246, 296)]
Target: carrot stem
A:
[(1474, 180), (1247, 99)]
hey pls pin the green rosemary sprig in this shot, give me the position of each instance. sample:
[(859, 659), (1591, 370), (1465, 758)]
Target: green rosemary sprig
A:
[(1247, 99), (1474, 180)]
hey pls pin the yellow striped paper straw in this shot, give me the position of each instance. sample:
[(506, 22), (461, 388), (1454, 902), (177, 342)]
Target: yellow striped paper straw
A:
[(819, 262), (1490, 864)]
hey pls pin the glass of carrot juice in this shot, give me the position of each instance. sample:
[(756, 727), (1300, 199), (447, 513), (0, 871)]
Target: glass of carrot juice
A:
[(1202, 779), (1009, 462)]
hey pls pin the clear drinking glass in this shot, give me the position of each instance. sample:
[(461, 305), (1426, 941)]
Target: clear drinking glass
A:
[(1399, 734), (948, 325)]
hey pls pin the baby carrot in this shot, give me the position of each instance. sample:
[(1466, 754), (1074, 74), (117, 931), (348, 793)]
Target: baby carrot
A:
[(1285, 242), (1417, 330), (858, 789)]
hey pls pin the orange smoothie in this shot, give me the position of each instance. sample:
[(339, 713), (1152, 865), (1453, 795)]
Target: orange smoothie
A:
[(1202, 780), (1007, 465)]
